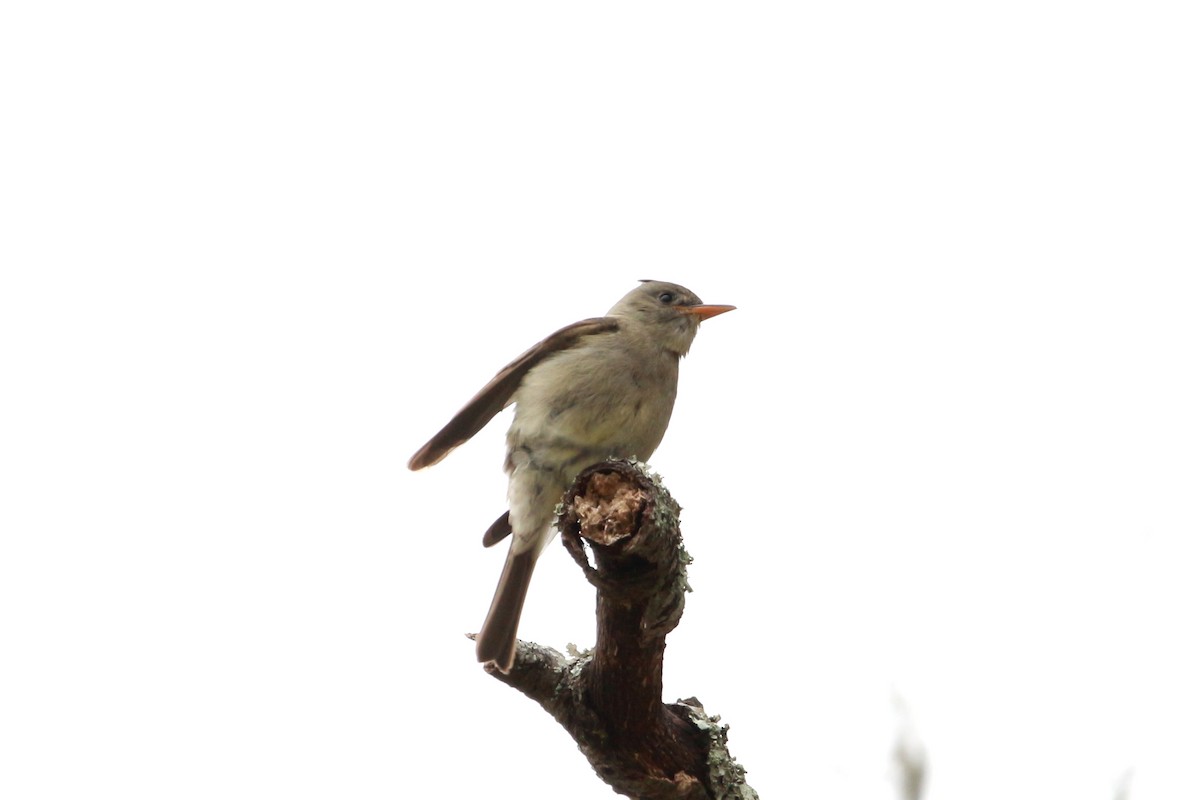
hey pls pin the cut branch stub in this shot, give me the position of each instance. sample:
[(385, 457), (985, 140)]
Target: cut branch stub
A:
[(609, 508), (610, 700), (632, 524)]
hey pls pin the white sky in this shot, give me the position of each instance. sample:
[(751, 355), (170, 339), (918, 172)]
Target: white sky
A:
[(254, 254)]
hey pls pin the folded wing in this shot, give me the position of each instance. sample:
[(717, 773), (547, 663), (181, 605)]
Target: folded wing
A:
[(498, 393)]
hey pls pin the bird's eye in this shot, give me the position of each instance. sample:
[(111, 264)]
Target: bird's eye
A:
[(666, 298)]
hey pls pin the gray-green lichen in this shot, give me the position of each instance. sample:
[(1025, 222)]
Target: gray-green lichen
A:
[(726, 777)]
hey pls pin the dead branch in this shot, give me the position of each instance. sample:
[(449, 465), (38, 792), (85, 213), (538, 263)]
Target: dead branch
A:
[(610, 699)]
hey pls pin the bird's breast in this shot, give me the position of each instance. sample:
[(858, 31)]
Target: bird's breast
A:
[(615, 405)]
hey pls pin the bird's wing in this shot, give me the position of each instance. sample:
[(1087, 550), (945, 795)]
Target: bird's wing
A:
[(497, 531), (499, 391)]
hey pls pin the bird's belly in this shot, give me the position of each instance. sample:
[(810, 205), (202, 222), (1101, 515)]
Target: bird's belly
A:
[(624, 426), (545, 456), (574, 411)]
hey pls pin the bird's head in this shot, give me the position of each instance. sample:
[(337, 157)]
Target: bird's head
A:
[(670, 312)]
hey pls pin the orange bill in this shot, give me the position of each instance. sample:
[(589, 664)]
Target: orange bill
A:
[(706, 311)]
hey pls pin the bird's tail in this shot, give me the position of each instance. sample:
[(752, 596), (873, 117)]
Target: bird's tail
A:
[(497, 640)]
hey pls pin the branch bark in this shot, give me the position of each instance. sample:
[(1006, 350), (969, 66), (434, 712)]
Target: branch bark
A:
[(610, 699)]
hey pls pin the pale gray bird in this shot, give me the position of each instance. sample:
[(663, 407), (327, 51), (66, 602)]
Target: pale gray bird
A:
[(598, 388)]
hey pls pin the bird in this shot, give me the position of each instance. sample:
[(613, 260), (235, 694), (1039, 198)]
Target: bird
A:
[(599, 388)]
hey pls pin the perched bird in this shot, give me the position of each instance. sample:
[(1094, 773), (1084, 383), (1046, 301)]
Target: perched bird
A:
[(598, 388)]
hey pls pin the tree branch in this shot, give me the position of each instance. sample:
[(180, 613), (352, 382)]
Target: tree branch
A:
[(610, 699)]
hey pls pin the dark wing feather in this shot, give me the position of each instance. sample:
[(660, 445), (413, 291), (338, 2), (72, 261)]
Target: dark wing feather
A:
[(497, 531), (498, 393)]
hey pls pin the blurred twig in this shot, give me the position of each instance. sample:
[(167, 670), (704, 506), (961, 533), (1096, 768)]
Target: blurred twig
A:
[(909, 761)]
